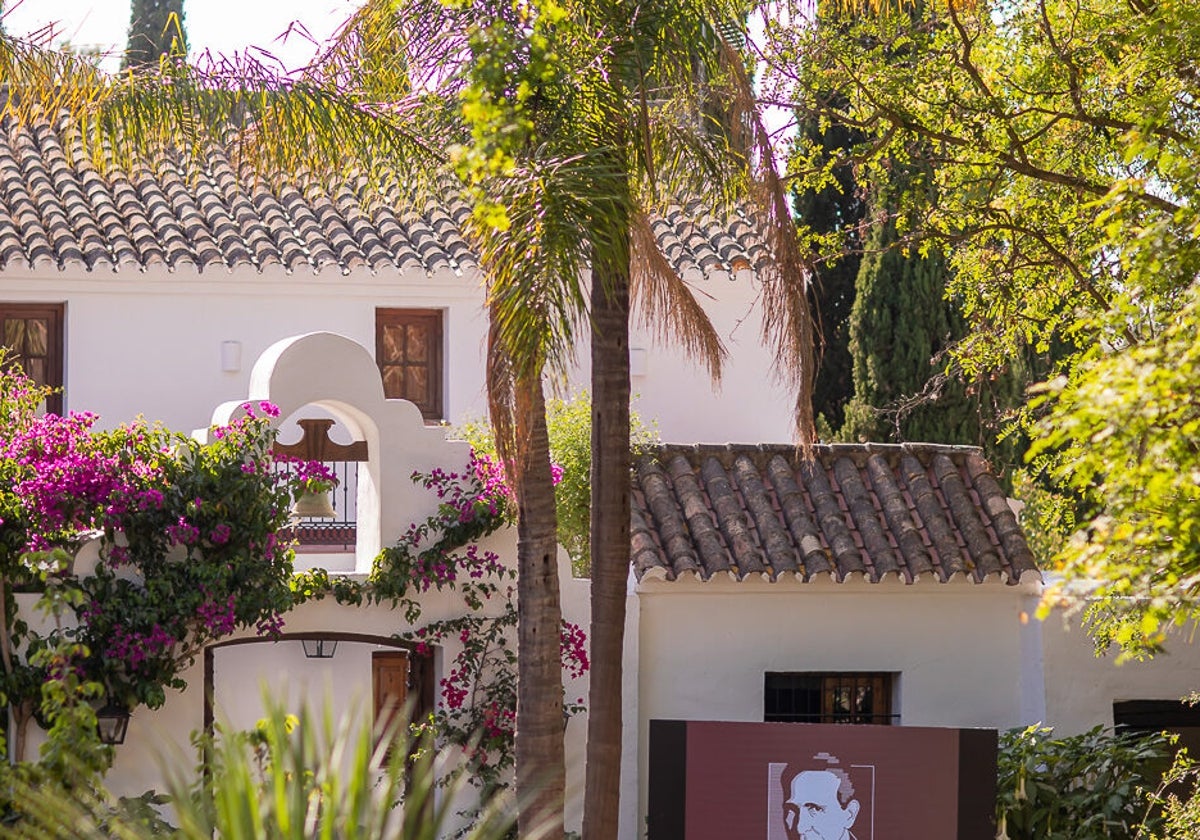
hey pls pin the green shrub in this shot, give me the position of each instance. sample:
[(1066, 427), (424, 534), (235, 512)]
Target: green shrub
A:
[(569, 423), (294, 777), (1093, 786)]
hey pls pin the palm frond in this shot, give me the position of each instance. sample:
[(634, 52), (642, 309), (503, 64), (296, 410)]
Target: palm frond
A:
[(38, 82), (665, 305), (555, 210), (358, 112), (292, 778), (788, 324)]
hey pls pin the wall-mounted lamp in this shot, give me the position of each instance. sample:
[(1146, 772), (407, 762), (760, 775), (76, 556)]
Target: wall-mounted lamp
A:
[(112, 722), (319, 648), (231, 356), (637, 361)]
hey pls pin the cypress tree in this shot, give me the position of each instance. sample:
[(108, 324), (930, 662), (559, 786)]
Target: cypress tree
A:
[(155, 29), (900, 328), (830, 217)]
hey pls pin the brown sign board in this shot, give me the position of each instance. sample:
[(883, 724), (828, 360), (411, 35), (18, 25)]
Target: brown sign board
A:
[(810, 781)]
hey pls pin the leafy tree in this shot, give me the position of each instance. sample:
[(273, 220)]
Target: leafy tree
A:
[(1063, 140), (155, 30), (887, 327)]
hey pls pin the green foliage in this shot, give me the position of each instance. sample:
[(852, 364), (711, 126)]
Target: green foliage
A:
[(1093, 786), (1047, 516), (155, 31), (569, 424), (1121, 434), (1062, 145), (294, 777), (1177, 802)]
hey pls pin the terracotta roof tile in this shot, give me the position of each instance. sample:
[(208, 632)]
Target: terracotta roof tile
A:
[(877, 510), (58, 211)]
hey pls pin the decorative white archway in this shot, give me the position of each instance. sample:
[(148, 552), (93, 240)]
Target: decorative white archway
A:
[(339, 376)]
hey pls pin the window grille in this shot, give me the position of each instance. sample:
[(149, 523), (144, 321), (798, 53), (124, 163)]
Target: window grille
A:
[(813, 697), (318, 533)]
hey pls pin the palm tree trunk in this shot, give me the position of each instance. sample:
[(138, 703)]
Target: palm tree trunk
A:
[(541, 763), (609, 540)]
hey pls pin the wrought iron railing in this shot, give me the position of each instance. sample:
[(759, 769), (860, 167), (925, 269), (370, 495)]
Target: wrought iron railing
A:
[(320, 533)]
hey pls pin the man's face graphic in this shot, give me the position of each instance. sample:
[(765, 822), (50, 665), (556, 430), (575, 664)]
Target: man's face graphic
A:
[(813, 812)]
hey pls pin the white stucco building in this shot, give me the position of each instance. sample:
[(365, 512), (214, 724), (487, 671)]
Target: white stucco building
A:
[(883, 584)]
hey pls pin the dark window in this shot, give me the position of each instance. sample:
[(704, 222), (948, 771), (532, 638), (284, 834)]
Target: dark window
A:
[(33, 335), (408, 350), (828, 698), (1144, 716)]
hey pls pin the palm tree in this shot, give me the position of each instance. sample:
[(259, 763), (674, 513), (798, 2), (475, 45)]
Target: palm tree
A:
[(585, 122), (376, 108), (607, 129)]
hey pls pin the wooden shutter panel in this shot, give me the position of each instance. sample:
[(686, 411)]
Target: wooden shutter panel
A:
[(33, 336), (408, 350)]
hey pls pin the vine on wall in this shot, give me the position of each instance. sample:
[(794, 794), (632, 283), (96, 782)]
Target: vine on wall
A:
[(190, 552), (477, 708)]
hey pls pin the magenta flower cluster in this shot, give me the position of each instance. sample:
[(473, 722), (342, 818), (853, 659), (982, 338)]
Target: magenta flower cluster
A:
[(479, 491), (69, 483), (134, 648), (499, 722), (217, 618), (271, 626), (573, 643), (183, 533), (239, 424), (309, 476), (454, 688)]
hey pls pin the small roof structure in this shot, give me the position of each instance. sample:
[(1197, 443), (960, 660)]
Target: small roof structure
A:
[(57, 211), (873, 511)]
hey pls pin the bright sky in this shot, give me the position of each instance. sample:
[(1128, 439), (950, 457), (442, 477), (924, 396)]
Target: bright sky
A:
[(222, 26)]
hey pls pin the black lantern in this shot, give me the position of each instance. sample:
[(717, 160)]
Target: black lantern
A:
[(319, 648), (112, 721)]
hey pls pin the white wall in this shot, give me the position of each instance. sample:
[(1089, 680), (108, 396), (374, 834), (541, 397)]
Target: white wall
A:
[(150, 343), (704, 648), (749, 405), (1081, 687)]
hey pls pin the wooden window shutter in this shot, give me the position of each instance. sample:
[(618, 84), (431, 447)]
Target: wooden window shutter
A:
[(408, 350), (33, 336), (389, 682)]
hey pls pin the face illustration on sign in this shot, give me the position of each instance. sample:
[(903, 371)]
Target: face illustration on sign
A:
[(819, 801)]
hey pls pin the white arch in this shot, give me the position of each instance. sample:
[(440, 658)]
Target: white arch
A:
[(339, 375)]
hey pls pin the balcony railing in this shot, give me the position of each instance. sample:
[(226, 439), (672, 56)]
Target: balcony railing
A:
[(320, 533)]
